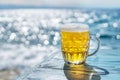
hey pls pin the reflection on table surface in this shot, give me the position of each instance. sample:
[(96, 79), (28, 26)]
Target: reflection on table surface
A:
[(80, 72)]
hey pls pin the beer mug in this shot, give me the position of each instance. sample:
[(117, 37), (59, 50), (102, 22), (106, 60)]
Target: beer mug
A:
[(75, 39)]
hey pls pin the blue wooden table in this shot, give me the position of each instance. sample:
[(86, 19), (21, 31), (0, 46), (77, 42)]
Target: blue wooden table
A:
[(105, 65)]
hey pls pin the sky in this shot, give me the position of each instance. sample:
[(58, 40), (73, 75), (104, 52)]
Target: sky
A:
[(65, 3)]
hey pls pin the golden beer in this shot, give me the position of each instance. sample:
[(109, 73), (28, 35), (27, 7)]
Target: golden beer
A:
[(75, 45)]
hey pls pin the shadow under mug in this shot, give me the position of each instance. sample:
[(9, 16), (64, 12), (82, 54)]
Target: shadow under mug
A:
[(81, 72), (75, 42)]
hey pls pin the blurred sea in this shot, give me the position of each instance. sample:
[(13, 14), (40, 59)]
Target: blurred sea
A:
[(27, 36)]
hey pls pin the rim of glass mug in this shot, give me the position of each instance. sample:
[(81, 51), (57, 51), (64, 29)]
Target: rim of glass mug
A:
[(75, 27)]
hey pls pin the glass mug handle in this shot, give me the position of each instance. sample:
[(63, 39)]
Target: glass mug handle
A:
[(98, 45)]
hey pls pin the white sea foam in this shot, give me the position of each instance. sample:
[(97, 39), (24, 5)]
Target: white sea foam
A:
[(75, 27)]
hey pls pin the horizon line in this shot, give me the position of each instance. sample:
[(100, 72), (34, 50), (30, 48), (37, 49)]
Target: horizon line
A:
[(9, 6)]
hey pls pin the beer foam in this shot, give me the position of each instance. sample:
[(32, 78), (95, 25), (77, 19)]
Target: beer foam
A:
[(73, 27)]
